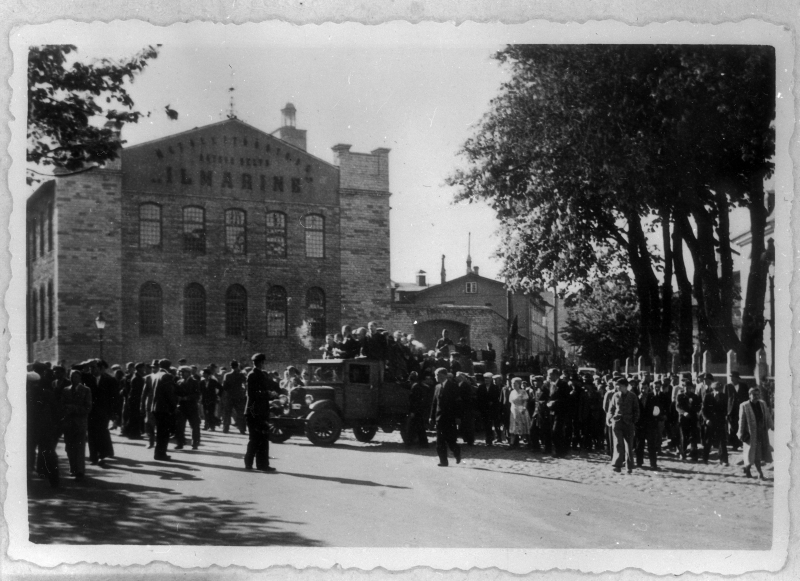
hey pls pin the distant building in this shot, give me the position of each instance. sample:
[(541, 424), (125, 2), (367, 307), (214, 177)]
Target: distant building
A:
[(474, 307), (210, 244)]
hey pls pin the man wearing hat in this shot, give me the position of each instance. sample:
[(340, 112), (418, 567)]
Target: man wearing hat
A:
[(487, 400), (188, 392), (688, 406), (233, 398), (146, 405), (444, 411), (164, 405), (104, 391), (132, 393), (715, 416), (260, 389), (623, 413)]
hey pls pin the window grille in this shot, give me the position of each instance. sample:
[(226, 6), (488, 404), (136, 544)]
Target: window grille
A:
[(276, 234), (315, 236), (149, 226), (276, 312), (194, 230), (151, 309), (236, 311), (235, 231), (315, 312)]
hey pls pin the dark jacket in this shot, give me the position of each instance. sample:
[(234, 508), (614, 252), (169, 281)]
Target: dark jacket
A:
[(688, 403), (446, 403), (559, 396), (647, 403), (233, 384), (164, 399), (487, 399), (715, 407), (261, 388), (417, 400)]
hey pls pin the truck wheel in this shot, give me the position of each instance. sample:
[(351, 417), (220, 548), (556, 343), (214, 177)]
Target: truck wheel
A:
[(364, 433), (278, 435), (323, 427)]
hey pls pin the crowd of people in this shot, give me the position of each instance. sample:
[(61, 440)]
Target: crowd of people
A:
[(451, 392)]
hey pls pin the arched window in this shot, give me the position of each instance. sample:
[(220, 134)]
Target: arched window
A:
[(151, 309), (34, 317), (236, 311), (315, 311), (236, 231), (149, 226), (276, 234), (42, 312), (194, 230), (276, 312), (315, 236), (50, 310), (194, 310)]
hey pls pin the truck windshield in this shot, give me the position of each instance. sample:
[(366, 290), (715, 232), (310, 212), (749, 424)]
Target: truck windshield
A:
[(323, 373)]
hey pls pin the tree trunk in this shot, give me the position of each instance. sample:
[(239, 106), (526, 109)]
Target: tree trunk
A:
[(686, 319), (753, 315), (666, 285)]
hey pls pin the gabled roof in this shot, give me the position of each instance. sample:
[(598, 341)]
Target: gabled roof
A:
[(234, 120)]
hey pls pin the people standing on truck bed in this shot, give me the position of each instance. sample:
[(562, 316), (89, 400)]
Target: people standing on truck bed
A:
[(444, 345)]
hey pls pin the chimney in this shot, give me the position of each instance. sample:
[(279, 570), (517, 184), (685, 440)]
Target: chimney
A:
[(476, 270), (289, 132), (340, 150), (469, 258), (421, 278), (116, 131), (444, 272)]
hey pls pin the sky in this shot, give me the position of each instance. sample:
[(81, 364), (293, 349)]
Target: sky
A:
[(421, 100)]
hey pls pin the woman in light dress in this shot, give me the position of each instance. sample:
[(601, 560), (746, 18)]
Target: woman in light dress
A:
[(519, 422)]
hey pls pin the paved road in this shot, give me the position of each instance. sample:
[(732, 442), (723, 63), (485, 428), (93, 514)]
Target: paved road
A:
[(381, 495)]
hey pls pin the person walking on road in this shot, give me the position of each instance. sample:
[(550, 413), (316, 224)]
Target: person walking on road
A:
[(415, 424), (260, 389), (163, 407), (233, 398), (715, 416), (623, 413), (755, 422), (444, 411), (76, 403)]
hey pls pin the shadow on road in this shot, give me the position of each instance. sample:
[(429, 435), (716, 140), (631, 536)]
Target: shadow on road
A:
[(344, 480), (100, 512)]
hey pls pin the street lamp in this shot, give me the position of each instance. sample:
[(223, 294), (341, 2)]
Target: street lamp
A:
[(100, 323), (772, 316)]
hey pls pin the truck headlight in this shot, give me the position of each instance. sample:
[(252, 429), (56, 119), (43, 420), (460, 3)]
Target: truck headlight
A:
[(309, 399), (283, 399)]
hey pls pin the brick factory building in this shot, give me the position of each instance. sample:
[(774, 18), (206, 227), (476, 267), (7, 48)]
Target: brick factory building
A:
[(210, 244)]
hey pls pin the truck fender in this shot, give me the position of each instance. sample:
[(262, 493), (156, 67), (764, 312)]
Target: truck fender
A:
[(325, 404)]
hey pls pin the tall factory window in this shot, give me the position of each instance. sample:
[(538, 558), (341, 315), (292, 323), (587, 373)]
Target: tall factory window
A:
[(149, 226), (276, 312), (194, 230), (151, 309), (236, 311), (42, 312), (194, 310), (277, 184), (50, 310), (50, 227), (296, 185), (235, 231), (34, 317), (315, 311), (315, 236), (276, 234)]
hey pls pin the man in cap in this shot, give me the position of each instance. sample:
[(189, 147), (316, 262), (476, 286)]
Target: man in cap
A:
[(164, 405), (444, 412), (715, 416), (688, 406), (260, 390), (623, 413), (648, 429), (487, 400), (146, 405), (188, 392)]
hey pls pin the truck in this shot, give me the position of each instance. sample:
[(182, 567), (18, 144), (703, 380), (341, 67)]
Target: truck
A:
[(342, 394)]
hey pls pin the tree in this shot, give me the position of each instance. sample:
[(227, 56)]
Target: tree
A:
[(603, 321), (75, 110)]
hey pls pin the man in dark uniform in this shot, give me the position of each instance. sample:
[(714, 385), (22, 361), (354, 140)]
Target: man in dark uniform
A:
[(146, 408), (211, 388), (417, 410), (487, 399), (647, 428), (467, 414), (444, 411), (715, 416), (558, 405), (188, 392), (132, 392), (163, 408), (540, 416), (688, 406), (233, 398), (261, 388)]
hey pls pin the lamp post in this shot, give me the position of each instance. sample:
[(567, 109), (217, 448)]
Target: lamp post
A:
[(100, 323), (772, 317)]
